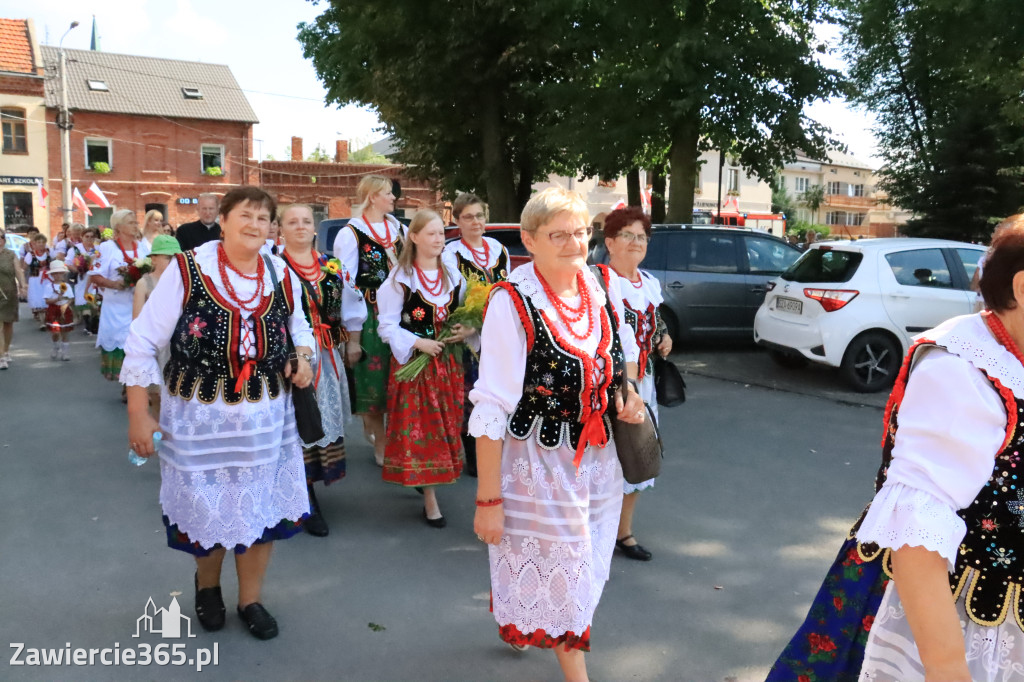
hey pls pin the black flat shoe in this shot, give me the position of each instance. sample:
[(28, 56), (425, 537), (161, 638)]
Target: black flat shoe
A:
[(439, 522), (259, 621), (209, 607), (315, 524), (633, 551)]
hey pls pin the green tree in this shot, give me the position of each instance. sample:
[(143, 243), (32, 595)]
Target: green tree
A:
[(944, 79), (813, 197), (367, 155), (319, 155)]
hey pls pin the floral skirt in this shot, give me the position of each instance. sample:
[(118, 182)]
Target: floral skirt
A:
[(424, 423), (325, 463), (829, 646), (110, 363), (371, 374), (59, 321)]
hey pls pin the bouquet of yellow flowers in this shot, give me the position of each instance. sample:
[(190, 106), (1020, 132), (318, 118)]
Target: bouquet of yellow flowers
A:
[(469, 314)]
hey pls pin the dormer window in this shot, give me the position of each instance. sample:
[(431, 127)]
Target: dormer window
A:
[(192, 93), (98, 86)]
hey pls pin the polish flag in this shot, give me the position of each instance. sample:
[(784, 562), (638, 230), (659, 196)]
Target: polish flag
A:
[(77, 200), (645, 200), (618, 204), (42, 194), (96, 196)]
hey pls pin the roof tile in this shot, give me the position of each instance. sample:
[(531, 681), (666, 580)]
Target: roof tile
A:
[(15, 48)]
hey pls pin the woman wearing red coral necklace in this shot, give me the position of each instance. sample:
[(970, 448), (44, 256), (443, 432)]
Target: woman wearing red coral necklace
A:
[(549, 477), (946, 510), (424, 414), (228, 423), (627, 231)]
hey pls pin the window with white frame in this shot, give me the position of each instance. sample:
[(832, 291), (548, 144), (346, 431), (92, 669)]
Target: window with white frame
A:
[(802, 184), (734, 180), (212, 156), (98, 151), (856, 190), (835, 218), (834, 187), (803, 215)]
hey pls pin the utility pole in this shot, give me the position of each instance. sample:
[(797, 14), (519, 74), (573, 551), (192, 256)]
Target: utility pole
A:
[(65, 125)]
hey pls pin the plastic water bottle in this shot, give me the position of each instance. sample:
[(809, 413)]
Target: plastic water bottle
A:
[(138, 460)]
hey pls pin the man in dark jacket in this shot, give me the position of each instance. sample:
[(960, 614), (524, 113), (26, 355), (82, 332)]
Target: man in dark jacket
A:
[(206, 229)]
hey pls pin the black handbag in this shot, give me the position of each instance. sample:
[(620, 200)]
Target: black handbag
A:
[(668, 383), (308, 421)]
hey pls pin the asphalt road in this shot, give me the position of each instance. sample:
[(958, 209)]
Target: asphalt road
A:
[(758, 489)]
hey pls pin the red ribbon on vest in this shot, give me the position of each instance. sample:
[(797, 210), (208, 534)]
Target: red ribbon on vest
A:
[(247, 367), (322, 332), (593, 433)]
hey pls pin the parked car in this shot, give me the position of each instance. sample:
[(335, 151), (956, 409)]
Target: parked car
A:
[(713, 278), (15, 241), (507, 234), (857, 304)]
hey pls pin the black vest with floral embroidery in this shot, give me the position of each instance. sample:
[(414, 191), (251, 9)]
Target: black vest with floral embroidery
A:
[(994, 543), (38, 264), (325, 296), (374, 265), (423, 318), (558, 391), (644, 324), (205, 357), (470, 270)]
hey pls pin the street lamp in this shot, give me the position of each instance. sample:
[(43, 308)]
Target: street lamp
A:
[(64, 123)]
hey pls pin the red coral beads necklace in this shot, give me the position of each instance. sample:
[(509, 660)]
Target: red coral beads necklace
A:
[(481, 263), (310, 273), (999, 331), (566, 313), (432, 287), (386, 240), (223, 265)]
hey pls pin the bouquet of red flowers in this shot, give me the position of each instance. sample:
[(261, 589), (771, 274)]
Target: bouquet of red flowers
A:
[(133, 272), (81, 264)]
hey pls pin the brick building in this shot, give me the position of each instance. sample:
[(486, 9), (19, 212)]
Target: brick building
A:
[(151, 133), (330, 187), (23, 154)]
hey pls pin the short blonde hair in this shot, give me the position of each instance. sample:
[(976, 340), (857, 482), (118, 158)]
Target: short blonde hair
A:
[(118, 217), (153, 214), (543, 207), (282, 210), (367, 187), (75, 227)]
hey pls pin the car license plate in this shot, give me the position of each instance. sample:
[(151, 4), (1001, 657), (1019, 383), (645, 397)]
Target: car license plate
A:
[(789, 305)]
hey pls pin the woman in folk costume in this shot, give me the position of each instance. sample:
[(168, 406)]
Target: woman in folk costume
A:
[(627, 232), (368, 248), (80, 258), (35, 262), (321, 302), (549, 491), (425, 413), (946, 519), (476, 257), (116, 255), (230, 460)]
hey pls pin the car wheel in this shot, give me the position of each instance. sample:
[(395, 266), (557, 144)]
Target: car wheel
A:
[(788, 360), (871, 362), (671, 324)]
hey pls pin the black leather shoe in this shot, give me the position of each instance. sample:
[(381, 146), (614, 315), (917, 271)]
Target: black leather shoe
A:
[(439, 522), (209, 607), (259, 621), (315, 524), (633, 551)]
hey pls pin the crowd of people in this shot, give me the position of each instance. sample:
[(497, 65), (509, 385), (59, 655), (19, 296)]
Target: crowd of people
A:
[(217, 332)]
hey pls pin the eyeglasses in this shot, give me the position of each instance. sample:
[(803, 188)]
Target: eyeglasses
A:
[(560, 238), (630, 237), (472, 216)]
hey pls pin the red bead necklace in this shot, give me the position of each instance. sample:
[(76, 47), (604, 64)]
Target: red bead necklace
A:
[(638, 284), (310, 273), (566, 313), (482, 264), (1002, 335), (223, 265), (124, 253), (435, 287), (386, 241)]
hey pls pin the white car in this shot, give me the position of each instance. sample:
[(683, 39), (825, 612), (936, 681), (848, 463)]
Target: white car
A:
[(857, 305)]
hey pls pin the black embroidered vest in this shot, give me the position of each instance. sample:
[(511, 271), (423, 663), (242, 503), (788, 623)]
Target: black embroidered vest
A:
[(374, 265), (324, 296), (558, 392), (205, 355), (994, 543), (38, 264), (423, 318), (645, 325), (469, 268)]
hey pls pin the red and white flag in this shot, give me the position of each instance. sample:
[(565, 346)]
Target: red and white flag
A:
[(618, 204), (77, 200), (42, 193), (645, 200), (96, 196)]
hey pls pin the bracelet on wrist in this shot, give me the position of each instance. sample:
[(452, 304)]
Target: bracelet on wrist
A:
[(490, 503)]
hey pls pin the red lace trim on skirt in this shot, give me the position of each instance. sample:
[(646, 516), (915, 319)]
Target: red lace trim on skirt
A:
[(541, 639)]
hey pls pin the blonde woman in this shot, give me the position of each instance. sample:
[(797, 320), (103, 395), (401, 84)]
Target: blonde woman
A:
[(550, 485), (116, 313), (368, 249), (425, 414), (152, 225)]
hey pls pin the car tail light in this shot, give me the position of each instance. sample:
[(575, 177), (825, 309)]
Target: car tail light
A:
[(769, 286), (831, 299)]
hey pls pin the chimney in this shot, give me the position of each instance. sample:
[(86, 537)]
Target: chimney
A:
[(297, 149), (341, 151)]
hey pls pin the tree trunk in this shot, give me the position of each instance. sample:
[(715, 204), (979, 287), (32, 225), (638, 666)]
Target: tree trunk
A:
[(658, 193), (498, 175), (525, 188), (633, 187), (682, 158)]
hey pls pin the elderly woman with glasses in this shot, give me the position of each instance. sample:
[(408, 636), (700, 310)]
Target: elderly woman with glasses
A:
[(554, 353), (480, 258)]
